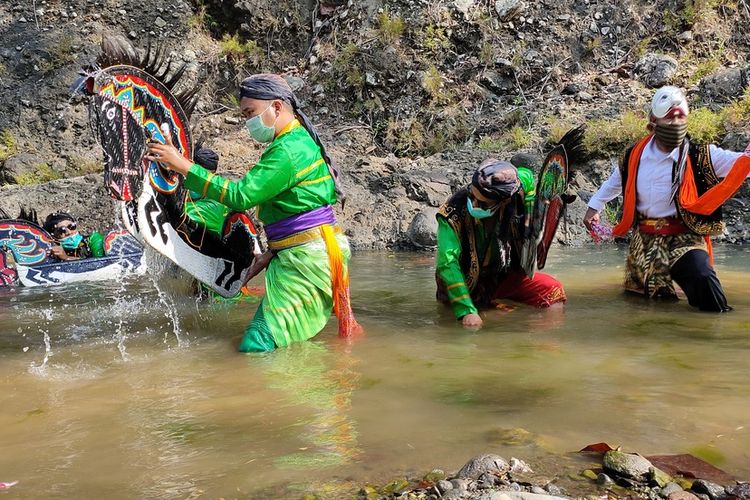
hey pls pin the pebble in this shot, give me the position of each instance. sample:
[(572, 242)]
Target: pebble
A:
[(22, 20)]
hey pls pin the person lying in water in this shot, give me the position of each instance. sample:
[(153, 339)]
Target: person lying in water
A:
[(71, 244), (476, 261)]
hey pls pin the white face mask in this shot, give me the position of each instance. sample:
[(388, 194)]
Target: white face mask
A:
[(259, 130)]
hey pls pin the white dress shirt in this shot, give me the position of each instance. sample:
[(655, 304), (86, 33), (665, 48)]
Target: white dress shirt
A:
[(654, 181)]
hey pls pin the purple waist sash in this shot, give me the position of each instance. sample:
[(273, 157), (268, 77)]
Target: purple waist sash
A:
[(300, 222)]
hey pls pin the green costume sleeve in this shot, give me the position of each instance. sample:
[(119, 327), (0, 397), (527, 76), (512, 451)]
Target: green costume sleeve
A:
[(269, 177), (449, 270), (96, 244), (529, 188)]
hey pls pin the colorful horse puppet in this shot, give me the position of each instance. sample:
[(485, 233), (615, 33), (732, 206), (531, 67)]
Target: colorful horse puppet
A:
[(132, 102), (551, 199), (29, 246)]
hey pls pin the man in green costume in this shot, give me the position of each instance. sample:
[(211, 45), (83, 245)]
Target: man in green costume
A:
[(293, 186), (477, 260)]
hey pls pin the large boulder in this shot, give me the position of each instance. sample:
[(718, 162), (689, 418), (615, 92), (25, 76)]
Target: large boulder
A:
[(655, 70), (627, 464), (18, 165), (724, 85), (422, 230)]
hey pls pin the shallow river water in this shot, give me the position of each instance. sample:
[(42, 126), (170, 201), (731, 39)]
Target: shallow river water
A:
[(120, 391)]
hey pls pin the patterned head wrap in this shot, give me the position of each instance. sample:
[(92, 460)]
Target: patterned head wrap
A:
[(496, 179), (267, 87), (54, 219)]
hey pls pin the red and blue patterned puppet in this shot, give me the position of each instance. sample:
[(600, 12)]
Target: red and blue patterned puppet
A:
[(134, 100)]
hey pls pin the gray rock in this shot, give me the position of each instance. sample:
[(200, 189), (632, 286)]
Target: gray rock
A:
[(554, 489), (516, 465), (484, 463), (498, 83), (741, 491), (724, 85), (455, 494), (670, 488), (232, 120), (538, 490), (655, 70), (713, 490), (159, 22), (604, 480), (422, 230), (444, 485), (493, 495), (627, 464), (295, 82), (508, 9)]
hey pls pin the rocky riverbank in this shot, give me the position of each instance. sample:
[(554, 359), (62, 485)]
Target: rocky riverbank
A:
[(409, 96), (613, 474)]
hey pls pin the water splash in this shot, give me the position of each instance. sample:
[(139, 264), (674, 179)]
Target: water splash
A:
[(159, 267), (41, 369)]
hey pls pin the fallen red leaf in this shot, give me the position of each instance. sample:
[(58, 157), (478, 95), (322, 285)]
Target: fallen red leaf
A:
[(597, 448), (689, 466)]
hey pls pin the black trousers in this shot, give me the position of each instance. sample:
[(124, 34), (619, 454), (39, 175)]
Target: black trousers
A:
[(694, 274)]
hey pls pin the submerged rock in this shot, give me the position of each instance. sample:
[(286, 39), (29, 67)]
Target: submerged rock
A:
[(481, 464), (741, 491), (627, 464)]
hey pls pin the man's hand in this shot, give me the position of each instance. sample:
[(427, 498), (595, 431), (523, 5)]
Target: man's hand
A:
[(590, 216), (261, 262), (58, 252), (168, 156), (472, 321)]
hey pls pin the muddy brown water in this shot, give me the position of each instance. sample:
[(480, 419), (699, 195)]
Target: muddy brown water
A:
[(104, 397)]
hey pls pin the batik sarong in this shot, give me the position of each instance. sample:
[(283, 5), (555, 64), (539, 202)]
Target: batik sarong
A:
[(650, 258)]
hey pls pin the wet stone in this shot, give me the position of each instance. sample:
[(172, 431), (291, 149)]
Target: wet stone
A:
[(741, 491), (444, 485), (627, 464), (670, 488), (484, 463), (604, 480), (713, 490)]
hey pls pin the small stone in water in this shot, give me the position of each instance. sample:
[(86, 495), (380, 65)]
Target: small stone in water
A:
[(604, 480), (444, 485), (25, 349)]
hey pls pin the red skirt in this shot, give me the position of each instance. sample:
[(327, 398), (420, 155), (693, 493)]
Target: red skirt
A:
[(542, 290)]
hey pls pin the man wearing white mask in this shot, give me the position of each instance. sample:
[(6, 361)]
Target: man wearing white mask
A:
[(672, 194)]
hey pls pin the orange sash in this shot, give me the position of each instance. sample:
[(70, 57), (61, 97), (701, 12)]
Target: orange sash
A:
[(629, 199)]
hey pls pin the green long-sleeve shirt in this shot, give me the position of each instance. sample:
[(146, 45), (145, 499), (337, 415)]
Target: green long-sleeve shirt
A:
[(290, 178), (449, 266)]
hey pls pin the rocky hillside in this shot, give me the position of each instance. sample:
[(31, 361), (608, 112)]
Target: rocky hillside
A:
[(410, 95)]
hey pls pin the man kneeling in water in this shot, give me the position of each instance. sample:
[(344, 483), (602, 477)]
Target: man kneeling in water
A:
[(476, 261), (72, 245)]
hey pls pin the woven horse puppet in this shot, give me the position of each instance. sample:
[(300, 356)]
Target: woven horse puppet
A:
[(549, 207), (133, 100)]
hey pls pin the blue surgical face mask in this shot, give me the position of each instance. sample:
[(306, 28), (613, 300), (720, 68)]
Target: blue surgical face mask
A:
[(259, 130), (71, 242), (478, 213)]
